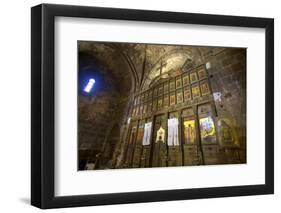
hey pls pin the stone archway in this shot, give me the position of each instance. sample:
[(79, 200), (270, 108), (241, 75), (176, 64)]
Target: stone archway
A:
[(172, 60)]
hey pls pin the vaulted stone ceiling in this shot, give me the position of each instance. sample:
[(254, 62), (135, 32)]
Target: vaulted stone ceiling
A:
[(137, 66)]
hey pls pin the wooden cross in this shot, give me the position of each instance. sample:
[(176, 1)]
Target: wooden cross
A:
[(161, 67)]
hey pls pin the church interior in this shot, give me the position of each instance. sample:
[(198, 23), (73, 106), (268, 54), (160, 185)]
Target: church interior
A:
[(159, 105)]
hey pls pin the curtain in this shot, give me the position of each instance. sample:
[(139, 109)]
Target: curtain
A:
[(173, 137), (147, 133)]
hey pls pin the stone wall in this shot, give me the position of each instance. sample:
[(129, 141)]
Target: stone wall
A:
[(227, 71), (100, 115)]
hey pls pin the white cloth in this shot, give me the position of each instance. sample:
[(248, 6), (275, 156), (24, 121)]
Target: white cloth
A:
[(173, 135), (147, 133)]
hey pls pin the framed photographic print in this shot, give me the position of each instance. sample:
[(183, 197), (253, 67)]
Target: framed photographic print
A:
[(139, 106)]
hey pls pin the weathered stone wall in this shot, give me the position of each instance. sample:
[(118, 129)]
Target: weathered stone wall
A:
[(227, 71), (100, 120), (100, 115)]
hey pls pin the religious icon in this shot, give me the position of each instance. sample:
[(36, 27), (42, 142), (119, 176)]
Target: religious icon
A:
[(160, 102), (206, 108), (189, 131), (160, 137), (195, 91), (186, 94), (225, 132), (160, 149), (185, 80), (202, 73), (193, 77), (188, 112), (172, 99), (207, 129), (205, 88), (178, 83), (179, 97)]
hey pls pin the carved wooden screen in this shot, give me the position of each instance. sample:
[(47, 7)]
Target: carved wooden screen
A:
[(130, 146), (159, 158), (145, 151), (138, 145)]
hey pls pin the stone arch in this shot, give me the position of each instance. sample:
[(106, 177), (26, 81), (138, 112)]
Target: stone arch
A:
[(183, 52), (109, 55)]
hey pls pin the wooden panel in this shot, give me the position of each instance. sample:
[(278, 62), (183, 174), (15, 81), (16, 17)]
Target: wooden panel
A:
[(179, 96), (160, 102), (204, 86), (187, 112), (185, 79), (187, 94), (172, 85), (195, 91), (160, 90), (155, 102), (202, 73), (172, 99), (193, 77), (178, 82), (166, 100)]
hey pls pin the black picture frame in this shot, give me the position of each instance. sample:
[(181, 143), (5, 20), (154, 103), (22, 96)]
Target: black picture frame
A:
[(43, 117)]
